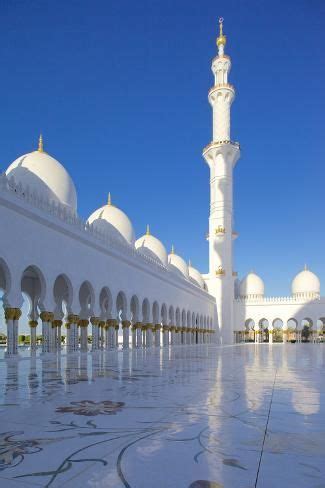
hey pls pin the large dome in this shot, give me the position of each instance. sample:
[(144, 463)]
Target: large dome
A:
[(251, 286), (177, 264), (45, 176), (195, 276), (152, 247), (305, 283), (111, 220)]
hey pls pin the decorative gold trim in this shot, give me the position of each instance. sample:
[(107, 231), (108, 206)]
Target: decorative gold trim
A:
[(83, 323), (111, 323), (220, 271), (94, 320), (222, 39), (40, 144), (57, 323), (126, 324), (73, 319), (220, 230), (12, 314), (46, 316), (32, 324)]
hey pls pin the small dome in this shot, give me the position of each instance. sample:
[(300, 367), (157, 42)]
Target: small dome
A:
[(113, 221), (251, 286), (195, 276), (177, 264), (45, 176), (305, 283), (152, 247)]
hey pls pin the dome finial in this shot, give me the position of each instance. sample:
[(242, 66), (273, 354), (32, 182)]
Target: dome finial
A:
[(40, 144), (173, 249), (305, 267), (222, 39), (109, 199), (189, 263), (148, 230)]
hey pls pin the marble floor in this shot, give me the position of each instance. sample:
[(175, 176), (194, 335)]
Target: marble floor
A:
[(204, 416)]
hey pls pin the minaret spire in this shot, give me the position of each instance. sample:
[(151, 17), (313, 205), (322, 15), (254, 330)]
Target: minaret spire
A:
[(222, 39), (40, 144)]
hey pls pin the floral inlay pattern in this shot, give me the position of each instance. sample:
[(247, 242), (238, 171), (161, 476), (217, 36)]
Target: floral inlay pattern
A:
[(90, 408)]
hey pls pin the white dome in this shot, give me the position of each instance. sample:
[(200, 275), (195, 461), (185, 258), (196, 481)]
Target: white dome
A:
[(177, 264), (251, 285), (195, 276), (46, 176), (152, 247), (113, 221), (305, 283)]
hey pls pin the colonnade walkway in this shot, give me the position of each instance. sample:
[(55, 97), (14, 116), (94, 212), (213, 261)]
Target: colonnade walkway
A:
[(104, 334), (190, 416)]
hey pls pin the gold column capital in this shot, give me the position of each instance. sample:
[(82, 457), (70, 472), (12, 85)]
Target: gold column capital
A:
[(46, 316), (73, 319), (83, 322), (12, 313), (32, 324), (94, 320), (126, 324), (57, 323), (111, 323), (157, 327)]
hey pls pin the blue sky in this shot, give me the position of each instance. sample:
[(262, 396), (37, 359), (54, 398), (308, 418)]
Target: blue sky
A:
[(119, 90)]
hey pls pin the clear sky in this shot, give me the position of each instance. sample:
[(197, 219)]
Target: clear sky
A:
[(119, 91)]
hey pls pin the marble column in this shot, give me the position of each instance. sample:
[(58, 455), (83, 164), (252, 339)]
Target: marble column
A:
[(172, 329), (134, 335), (144, 334), (126, 333), (139, 326), (149, 335), (117, 328), (157, 335), (165, 332), (68, 336), (58, 324), (83, 324), (12, 316), (270, 336), (106, 339), (33, 324), (94, 333), (74, 334), (111, 323), (46, 318)]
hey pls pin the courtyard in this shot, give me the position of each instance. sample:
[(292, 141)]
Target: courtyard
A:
[(245, 416)]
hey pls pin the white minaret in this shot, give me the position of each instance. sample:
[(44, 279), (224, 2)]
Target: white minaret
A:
[(221, 155)]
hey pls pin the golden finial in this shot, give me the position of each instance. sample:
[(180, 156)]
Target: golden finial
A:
[(222, 39), (40, 144), (148, 230), (305, 267), (173, 249), (109, 199)]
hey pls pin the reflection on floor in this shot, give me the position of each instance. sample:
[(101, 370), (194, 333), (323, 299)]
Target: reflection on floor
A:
[(189, 416)]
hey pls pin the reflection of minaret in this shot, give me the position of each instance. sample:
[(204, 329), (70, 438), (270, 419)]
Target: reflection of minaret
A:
[(221, 155)]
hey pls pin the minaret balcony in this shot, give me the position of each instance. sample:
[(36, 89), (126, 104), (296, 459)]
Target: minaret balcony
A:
[(220, 86), (218, 144)]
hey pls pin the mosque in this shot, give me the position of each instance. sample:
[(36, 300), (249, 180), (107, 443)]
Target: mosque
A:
[(95, 279)]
